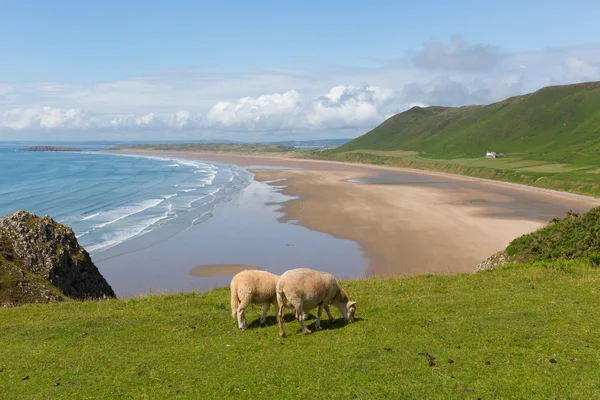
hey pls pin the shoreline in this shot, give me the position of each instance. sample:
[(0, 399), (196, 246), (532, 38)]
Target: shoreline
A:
[(285, 158), (242, 232), (419, 222)]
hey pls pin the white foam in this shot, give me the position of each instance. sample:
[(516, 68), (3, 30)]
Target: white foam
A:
[(125, 212), (197, 199), (208, 180), (89, 217), (172, 165), (126, 234), (168, 196), (187, 190)]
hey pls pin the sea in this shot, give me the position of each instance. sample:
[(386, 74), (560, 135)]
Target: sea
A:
[(111, 198)]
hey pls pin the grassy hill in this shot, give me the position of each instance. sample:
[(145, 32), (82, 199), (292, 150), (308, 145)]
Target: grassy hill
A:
[(519, 332), (551, 139), (559, 124), (526, 330)]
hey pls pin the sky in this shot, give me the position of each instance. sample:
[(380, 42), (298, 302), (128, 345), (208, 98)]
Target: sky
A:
[(274, 70)]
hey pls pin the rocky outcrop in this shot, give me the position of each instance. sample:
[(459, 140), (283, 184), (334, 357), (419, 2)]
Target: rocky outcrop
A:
[(495, 260), (49, 148), (41, 261)]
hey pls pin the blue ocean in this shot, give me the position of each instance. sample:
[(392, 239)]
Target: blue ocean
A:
[(108, 198)]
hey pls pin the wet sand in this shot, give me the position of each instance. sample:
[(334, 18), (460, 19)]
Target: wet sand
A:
[(210, 270), (407, 222)]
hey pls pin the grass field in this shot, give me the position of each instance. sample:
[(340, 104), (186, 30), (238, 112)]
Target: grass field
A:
[(519, 332)]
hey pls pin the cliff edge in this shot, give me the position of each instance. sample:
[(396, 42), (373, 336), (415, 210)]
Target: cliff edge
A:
[(41, 261)]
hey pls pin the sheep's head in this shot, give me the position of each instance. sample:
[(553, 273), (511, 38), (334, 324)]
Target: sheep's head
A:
[(351, 309)]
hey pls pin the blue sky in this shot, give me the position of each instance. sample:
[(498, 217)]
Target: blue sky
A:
[(250, 70)]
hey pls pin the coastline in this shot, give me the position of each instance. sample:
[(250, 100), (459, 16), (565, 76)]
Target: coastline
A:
[(241, 232), (407, 222)]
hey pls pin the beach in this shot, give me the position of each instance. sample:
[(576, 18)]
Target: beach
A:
[(405, 222)]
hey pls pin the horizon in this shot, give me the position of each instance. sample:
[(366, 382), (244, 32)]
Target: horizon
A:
[(272, 72)]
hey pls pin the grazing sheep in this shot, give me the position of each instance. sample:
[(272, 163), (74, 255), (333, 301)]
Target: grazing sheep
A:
[(252, 287), (304, 289)]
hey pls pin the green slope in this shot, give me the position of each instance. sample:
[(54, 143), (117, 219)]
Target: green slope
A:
[(502, 331), (559, 123)]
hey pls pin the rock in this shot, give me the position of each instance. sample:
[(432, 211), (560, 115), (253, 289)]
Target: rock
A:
[(495, 260), (41, 261), (49, 148)]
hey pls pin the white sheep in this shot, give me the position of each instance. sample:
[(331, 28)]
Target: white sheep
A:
[(304, 289), (252, 287)]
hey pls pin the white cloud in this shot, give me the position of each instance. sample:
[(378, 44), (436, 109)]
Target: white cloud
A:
[(340, 107), (44, 117), (290, 103), (267, 111), (579, 70), (345, 106), (458, 55)]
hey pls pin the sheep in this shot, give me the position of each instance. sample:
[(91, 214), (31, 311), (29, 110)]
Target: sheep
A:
[(304, 289), (252, 286)]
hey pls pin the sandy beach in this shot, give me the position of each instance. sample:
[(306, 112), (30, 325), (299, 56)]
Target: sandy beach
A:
[(407, 222)]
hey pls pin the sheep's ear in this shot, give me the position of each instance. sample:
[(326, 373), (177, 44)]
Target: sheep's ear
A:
[(351, 303)]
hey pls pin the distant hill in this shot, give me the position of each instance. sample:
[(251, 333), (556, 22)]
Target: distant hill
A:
[(557, 123), (211, 147), (313, 143)]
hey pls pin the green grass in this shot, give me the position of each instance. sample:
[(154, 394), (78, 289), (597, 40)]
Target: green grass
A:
[(188, 346), (575, 236), (579, 179)]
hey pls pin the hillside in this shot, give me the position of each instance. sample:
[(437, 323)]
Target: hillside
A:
[(551, 139), (527, 332), (574, 237), (559, 123)]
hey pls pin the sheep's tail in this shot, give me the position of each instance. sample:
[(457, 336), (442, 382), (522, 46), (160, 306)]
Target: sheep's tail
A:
[(235, 302)]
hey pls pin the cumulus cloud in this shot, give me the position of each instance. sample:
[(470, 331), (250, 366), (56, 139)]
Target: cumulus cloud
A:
[(458, 55), (341, 106), (44, 117), (267, 111), (345, 106), (579, 70), (290, 103)]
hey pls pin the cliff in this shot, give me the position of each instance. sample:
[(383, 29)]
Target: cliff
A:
[(41, 261)]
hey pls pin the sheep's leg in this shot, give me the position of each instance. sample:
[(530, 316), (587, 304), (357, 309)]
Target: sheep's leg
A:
[(328, 311), (242, 324), (319, 313), (280, 311), (300, 318), (263, 317)]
